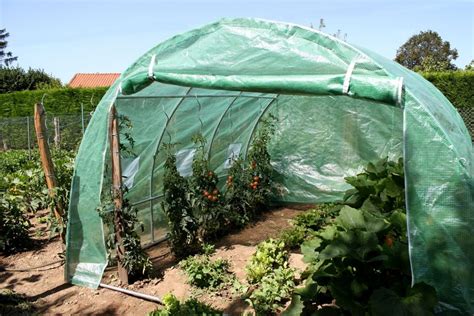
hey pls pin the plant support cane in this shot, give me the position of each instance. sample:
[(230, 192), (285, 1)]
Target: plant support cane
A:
[(47, 163), (117, 192)]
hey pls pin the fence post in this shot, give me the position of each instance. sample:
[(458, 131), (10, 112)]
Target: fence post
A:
[(82, 118), (47, 162), (117, 191), (57, 132), (29, 139)]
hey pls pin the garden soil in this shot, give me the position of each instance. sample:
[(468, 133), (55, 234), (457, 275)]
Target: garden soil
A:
[(38, 274)]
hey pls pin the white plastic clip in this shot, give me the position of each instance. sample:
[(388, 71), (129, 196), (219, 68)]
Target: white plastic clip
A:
[(150, 67), (400, 90), (347, 78)]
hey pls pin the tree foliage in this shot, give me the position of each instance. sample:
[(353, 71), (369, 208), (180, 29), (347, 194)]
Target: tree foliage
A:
[(6, 58), (470, 66), (427, 51), (17, 79)]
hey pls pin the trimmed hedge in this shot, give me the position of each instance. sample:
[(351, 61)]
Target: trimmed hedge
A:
[(56, 101), (457, 86)]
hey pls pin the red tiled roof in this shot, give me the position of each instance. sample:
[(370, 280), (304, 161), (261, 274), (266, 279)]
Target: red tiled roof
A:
[(93, 80)]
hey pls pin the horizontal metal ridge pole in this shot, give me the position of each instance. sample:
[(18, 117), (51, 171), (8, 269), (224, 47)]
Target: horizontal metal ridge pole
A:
[(132, 293), (194, 96)]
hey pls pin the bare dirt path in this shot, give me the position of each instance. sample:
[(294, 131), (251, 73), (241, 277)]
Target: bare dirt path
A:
[(45, 287)]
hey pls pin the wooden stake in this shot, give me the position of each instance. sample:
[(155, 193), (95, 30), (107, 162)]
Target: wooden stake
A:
[(47, 162), (117, 191)]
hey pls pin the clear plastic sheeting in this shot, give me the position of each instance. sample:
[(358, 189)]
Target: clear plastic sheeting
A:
[(338, 108), (184, 161)]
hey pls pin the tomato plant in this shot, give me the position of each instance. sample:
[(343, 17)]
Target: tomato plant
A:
[(182, 224), (135, 260), (197, 205), (205, 197)]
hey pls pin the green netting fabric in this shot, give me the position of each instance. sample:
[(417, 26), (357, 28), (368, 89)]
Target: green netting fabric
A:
[(338, 106)]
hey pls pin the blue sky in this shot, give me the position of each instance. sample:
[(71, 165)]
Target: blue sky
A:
[(64, 37)]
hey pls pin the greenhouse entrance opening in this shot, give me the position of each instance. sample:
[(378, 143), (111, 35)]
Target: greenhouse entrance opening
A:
[(229, 119)]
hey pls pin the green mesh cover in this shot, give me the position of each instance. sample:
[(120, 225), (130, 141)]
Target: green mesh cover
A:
[(338, 107)]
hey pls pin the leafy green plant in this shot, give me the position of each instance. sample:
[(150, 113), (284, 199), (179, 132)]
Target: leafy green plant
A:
[(183, 226), (361, 258), (307, 223), (13, 225), (12, 303), (24, 191), (273, 291), (268, 270), (379, 188), (173, 307), (135, 259), (294, 236), (203, 272), (270, 254)]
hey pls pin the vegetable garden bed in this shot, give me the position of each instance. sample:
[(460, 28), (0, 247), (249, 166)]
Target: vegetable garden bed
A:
[(46, 288)]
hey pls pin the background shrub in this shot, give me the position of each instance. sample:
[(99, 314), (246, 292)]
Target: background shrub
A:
[(56, 101), (457, 86)]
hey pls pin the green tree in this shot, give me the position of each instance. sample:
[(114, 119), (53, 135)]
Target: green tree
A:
[(6, 58), (17, 79), (470, 66), (427, 51)]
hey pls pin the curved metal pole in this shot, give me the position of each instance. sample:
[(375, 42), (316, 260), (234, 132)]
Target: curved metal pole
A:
[(265, 109), (208, 154), (152, 230)]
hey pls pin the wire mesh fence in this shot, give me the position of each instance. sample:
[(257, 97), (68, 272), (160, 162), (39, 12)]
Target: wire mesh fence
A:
[(63, 131), (467, 115)]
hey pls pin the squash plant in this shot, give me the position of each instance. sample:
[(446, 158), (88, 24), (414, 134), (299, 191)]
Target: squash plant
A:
[(23, 190), (361, 258), (13, 225)]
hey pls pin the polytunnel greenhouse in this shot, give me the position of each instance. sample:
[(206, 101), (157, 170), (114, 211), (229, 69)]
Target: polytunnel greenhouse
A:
[(338, 107)]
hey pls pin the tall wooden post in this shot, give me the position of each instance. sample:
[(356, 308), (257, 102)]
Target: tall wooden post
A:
[(47, 162), (117, 191)]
